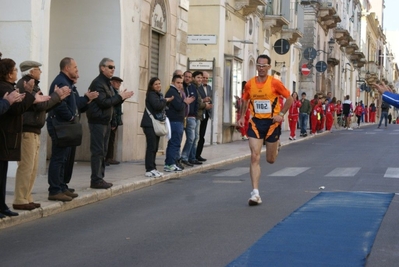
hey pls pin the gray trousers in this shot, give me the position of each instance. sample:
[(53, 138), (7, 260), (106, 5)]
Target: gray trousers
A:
[(99, 137)]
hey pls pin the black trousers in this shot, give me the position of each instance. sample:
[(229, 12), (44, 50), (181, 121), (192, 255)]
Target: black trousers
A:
[(201, 141), (99, 137), (68, 169), (3, 184), (111, 144), (152, 148)]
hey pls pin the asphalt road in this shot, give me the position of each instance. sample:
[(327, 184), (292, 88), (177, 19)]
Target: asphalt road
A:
[(204, 219)]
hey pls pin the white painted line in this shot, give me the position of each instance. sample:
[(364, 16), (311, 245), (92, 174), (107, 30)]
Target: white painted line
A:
[(392, 173), (234, 172), (340, 172), (290, 171)]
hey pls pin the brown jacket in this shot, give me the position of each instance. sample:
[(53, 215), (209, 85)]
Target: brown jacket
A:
[(11, 125)]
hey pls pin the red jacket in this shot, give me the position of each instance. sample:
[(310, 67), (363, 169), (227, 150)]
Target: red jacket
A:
[(294, 109)]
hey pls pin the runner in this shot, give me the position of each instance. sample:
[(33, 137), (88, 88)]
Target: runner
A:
[(262, 93)]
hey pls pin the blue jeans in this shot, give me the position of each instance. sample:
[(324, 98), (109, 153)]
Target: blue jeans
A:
[(174, 143), (193, 152), (384, 115), (191, 125), (56, 169), (99, 138), (303, 119)]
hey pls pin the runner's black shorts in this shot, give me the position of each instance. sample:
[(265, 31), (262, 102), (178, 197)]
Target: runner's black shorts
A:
[(264, 129)]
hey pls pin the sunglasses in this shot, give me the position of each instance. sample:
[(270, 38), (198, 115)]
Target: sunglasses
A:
[(110, 67)]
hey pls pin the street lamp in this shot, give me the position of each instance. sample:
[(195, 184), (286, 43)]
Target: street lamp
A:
[(331, 44)]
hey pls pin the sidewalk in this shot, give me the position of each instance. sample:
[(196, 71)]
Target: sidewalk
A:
[(126, 177)]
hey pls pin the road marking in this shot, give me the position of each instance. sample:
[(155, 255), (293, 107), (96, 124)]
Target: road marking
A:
[(234, 172), (370, 133), (346, 172), (392, 173), (290, 171)]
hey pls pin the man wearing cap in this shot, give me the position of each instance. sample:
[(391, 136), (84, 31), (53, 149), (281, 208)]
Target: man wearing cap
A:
[(116, 121), (33, 120)]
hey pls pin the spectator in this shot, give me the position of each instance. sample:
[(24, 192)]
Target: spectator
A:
[(347, 109), (156, 104), (372, 112), (293, 115), (33, 121), (358, 112), (330, 113), (115, 123), (67, 110), (176, 114), (384, 113), (9, 99), (304, 112), (99, 115), (11, 125)]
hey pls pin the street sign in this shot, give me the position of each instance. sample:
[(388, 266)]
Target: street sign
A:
[(321, 66), (201, 65), (201, 39), (281, 46), (310, 53), (305, 70)]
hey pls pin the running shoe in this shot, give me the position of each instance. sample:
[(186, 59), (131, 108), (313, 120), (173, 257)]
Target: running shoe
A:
[(254, 199)]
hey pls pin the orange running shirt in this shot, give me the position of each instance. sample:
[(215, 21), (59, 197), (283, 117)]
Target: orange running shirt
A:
[(263, 97)]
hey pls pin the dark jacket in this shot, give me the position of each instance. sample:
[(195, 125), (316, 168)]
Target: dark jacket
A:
[(305, 106), (70, 106), (155, 103), (191, 90), (201, 91), (117, 115), (101, 109), (4, 106), (11, 124), (35, 117), (176, 108)]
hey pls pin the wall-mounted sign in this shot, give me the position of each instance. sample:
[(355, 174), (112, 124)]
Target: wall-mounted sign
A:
[(281, 46), (310, 53), (159, 17), (185, 4), (201, 39), (201, 65), (321, 66)]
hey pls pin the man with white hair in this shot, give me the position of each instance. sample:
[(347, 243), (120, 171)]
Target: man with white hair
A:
[(33, 121)]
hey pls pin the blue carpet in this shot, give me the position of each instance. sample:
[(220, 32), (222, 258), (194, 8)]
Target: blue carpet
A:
[(332, 229)]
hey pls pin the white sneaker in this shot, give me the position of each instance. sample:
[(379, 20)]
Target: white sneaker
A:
[(350, 129), (153, 173), (290, 138), (294, 137), (254, 199), (160, 173)]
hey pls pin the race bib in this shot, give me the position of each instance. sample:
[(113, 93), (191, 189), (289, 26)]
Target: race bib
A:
[(262, 106)]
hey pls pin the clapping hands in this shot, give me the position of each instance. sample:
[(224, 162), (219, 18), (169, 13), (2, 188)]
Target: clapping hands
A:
[(126, 94)]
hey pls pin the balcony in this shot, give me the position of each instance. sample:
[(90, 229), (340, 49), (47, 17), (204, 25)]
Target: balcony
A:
[(292, 35), (309, 2), (351, 47), (359, 63), (356, 56), (342, 36), (248, 6), (274, 22)]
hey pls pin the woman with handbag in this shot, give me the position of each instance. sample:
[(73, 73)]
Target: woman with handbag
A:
[(155, 105)]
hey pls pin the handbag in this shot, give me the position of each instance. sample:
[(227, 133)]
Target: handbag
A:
[(160, 128), (69, 133)]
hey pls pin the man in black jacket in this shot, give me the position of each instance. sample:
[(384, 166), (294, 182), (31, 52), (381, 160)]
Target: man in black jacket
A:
[(99, 116), (176, 114), (33, 121)]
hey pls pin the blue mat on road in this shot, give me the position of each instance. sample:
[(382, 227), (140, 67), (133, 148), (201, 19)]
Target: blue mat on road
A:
[(332, 229)]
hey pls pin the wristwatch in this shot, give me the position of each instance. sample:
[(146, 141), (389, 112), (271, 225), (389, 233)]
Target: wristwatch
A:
[(281, 114)]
